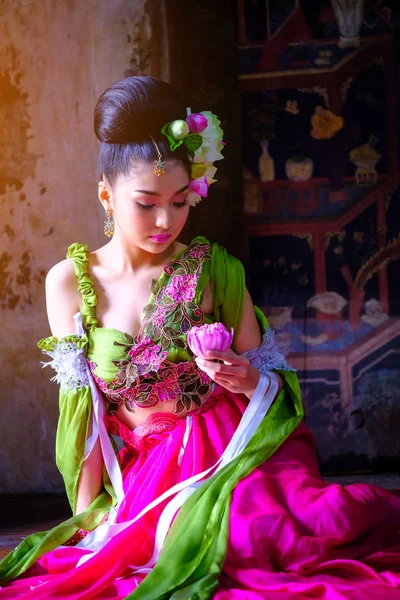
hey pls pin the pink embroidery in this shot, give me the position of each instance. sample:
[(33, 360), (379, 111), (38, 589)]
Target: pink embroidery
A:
[(147, 356), (199, 251), (204, 378), (159, 317), (182, 288), (145, 376), (166, 391), (183, 383)]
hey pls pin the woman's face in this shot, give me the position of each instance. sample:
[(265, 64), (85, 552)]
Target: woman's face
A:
[(149, 210)]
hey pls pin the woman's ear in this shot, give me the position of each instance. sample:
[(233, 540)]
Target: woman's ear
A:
[(105, 196)]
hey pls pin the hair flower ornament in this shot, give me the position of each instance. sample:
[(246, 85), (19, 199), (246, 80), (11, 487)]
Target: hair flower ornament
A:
[(202, 135)]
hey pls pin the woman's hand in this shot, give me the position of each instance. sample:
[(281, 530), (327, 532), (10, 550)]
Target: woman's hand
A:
[(235, 373)]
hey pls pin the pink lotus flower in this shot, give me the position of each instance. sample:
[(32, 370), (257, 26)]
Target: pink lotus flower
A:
[(197, 122), (199, 186), (209, 337)]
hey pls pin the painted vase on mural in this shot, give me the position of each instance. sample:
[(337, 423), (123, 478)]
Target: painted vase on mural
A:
[(365, 158), (266, 164), (299, 168), (349, 17)]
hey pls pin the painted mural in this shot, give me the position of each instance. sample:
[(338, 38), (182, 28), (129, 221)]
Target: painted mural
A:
[(322, 199)]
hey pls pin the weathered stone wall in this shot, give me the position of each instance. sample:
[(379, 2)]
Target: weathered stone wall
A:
[(55, 60)]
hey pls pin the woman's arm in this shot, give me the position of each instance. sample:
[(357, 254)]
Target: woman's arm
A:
[(62, 298), (63, 302), (249, 335), (236, 373)]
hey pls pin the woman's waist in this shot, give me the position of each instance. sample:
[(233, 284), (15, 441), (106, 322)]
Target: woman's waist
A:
[(136, 427), (160, 413)]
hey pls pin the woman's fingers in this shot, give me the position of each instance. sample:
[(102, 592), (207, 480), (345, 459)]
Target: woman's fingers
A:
[(222, 369), (229, 356), (234, 373)]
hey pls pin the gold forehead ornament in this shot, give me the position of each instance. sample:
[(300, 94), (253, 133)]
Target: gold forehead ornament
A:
[(159, 164)]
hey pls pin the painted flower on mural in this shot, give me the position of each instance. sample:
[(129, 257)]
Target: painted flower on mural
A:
[(292, 106), (325, 124), (329, 303), (366, 155)]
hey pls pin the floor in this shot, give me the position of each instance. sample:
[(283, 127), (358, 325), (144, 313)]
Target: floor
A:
[(12, 535)]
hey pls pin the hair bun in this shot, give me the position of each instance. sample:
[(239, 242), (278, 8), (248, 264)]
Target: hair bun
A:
[(131, 109)]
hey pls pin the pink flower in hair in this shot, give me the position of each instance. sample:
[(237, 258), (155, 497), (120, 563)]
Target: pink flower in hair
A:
[(197, 122), (199, 186)]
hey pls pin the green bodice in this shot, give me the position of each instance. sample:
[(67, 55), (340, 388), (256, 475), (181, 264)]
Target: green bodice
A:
[(157, 365)]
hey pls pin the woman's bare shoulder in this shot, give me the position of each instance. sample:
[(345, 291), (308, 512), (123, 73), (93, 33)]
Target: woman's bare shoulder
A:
[(62, 298), (61, 273)]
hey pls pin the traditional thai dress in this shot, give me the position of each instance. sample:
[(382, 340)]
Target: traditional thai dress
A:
[(221, 498)]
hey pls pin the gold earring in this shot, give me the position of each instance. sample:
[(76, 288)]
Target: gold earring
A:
[(159, 164), (109, 224)]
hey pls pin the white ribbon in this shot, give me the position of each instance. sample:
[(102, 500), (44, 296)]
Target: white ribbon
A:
[(98, 427), (256, 410), (189, 425)]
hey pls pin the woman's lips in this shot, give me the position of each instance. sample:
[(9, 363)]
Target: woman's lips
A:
[(161, 238)]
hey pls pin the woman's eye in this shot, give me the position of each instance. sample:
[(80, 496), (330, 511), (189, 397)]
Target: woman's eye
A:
[(180, 204), (145, 206)]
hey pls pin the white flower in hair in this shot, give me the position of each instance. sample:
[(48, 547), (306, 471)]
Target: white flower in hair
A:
[(203, 139)]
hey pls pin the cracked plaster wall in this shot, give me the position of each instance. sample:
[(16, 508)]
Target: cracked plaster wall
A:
[(56, 58)]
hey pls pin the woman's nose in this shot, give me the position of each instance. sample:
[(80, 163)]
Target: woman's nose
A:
[(163, 220)]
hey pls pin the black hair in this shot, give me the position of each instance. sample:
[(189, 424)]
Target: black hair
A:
[(126, 115)]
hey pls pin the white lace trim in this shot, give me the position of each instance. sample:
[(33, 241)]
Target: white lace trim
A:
[(270, 355), (69, 363)]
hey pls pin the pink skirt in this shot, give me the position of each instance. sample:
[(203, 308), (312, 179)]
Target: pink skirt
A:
[(292, 536)]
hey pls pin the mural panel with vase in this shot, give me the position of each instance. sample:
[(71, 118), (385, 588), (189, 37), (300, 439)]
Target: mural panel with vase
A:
[(320, 179)]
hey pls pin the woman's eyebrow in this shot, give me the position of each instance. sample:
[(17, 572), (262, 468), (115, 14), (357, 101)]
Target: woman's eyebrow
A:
[(148, 193)]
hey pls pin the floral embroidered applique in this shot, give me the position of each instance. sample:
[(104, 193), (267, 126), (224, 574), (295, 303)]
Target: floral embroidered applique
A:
[(172, 312), (183, 383), (145, 376)]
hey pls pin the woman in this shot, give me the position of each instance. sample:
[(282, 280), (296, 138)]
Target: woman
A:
[(216, 492)]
